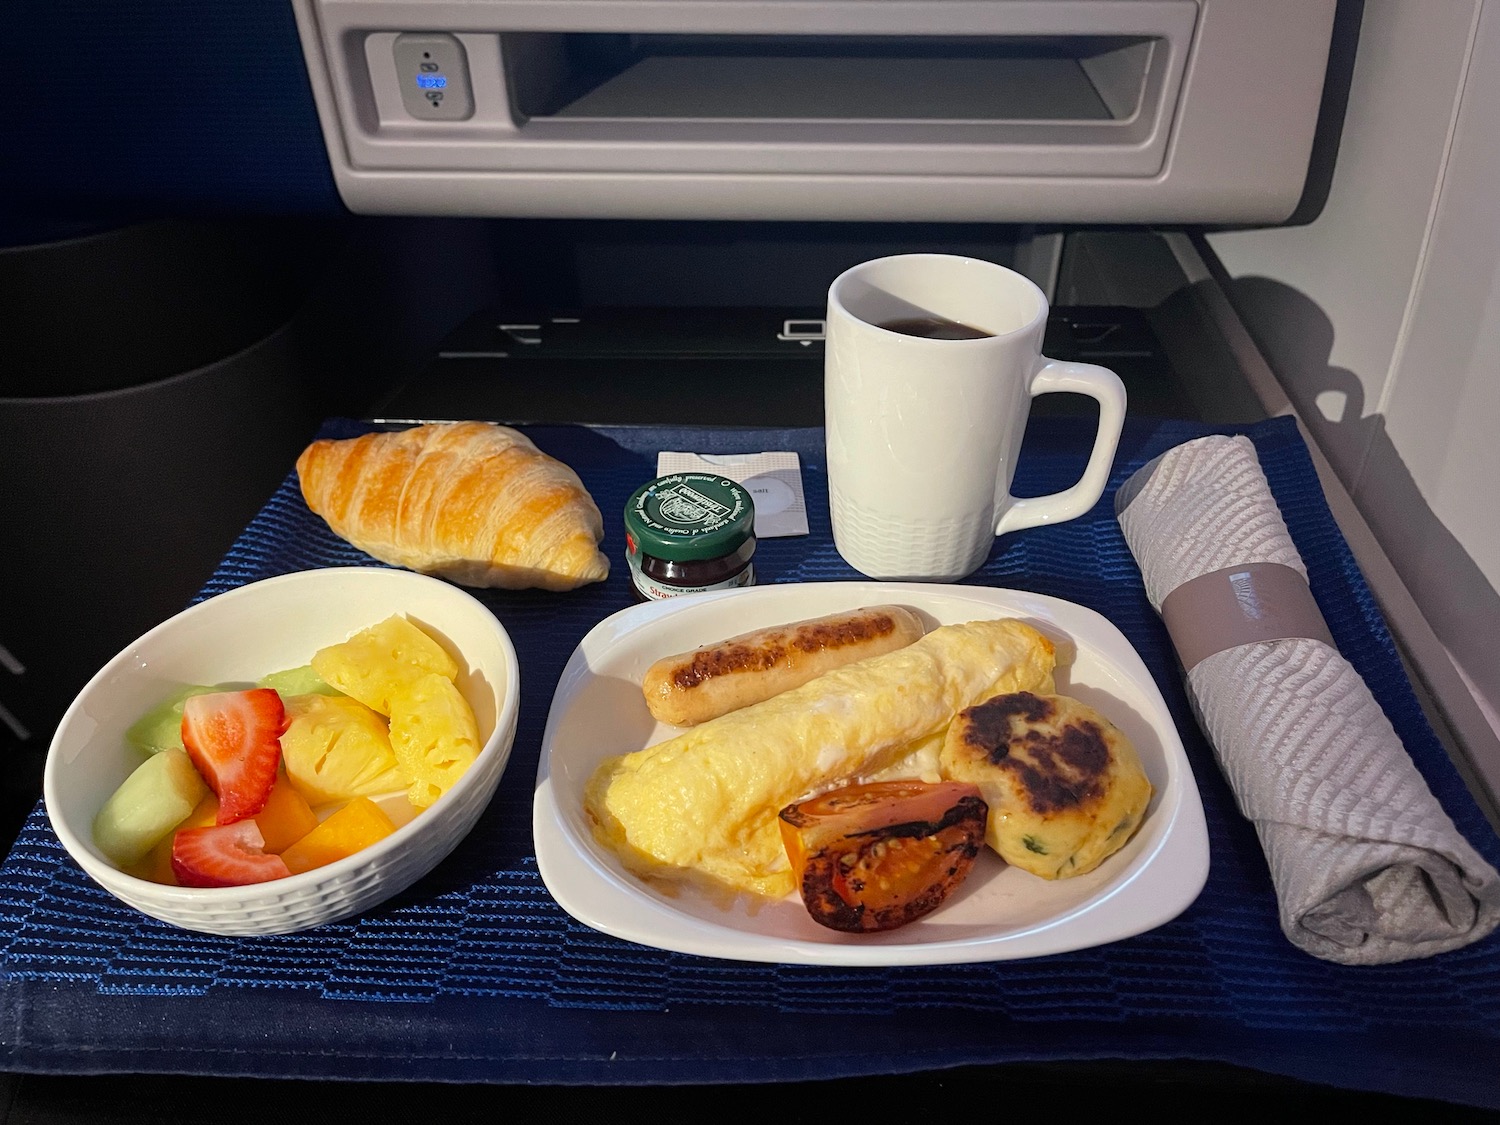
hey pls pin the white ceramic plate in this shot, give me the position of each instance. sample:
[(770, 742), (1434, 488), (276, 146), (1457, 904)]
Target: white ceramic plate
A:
[(999, 913)]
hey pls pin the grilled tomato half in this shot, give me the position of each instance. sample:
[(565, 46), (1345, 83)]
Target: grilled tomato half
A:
[(876, 856)]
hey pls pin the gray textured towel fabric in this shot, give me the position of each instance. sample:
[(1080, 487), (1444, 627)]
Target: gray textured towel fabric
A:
[(1368, 868)]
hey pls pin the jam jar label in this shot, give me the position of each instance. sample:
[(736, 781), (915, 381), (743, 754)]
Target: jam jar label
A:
[(660, 591)]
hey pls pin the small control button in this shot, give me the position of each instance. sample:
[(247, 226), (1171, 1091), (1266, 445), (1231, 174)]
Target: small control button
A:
[(802, 331), (434, 75)]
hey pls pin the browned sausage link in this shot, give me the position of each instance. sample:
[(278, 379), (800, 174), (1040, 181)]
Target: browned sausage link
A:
[(693, 687)]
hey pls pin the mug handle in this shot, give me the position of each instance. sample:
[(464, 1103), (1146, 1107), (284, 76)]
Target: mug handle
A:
[(1102, 385)]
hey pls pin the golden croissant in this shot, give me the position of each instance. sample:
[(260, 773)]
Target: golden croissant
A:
[(473, 502)]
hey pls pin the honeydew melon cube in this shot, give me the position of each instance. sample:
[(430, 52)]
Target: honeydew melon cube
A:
[(297, 681), (158, 795), (161, 727)]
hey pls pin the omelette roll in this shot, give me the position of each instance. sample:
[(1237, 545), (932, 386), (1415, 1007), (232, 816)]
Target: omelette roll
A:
[(705, 803), (692, 687)]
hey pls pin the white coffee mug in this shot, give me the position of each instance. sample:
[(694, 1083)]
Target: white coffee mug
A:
[(923, 432)]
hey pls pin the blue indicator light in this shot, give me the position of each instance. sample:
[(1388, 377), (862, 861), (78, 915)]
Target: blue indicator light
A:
[(431, 81)]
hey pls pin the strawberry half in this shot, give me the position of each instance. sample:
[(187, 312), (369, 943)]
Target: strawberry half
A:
[(234, 738), (224, 855)]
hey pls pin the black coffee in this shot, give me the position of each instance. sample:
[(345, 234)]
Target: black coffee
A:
[(934, 328)]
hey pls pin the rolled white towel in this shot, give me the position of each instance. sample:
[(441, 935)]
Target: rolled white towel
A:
[(1368, 868)]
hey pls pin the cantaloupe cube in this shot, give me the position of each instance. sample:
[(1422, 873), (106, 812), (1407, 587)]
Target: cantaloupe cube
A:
[(357, 825), (286, 817), (379, 660), (156, 867)]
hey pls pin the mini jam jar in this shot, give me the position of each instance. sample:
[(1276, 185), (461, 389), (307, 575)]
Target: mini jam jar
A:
[(688, 533)]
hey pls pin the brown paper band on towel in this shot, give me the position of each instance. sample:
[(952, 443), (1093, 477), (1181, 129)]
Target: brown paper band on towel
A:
[(1240, 605)]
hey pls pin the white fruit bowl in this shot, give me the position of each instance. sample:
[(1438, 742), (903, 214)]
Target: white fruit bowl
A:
[(240, 636)]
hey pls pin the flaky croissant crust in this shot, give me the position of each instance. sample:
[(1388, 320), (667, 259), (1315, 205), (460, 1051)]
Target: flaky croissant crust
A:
[(473, 502)]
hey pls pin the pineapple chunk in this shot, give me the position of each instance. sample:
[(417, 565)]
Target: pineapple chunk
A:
[(435, 736), (376, 663), (335, 748), (156, 797)]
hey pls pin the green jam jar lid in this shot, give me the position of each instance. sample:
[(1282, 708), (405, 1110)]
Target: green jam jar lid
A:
[(685, 517)]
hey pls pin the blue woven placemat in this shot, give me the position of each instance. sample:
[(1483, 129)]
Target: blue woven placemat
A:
[(475, 974)]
